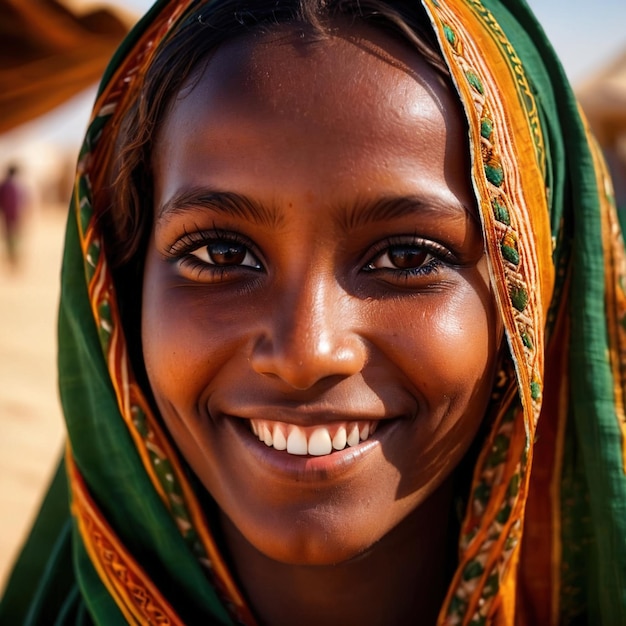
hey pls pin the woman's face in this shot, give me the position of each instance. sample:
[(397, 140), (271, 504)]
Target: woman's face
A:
[(318, 325)]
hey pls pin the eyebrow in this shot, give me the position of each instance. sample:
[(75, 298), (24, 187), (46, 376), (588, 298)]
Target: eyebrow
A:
[(227, 202), (395, 207), (356, 215)]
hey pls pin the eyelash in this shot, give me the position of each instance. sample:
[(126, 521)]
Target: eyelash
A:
[(182, 251), (439, 256)]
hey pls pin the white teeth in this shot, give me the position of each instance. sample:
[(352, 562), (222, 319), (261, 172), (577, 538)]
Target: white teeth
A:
[(280, 443), (353, 436), (296, 442), (320, 443), (339, 440)]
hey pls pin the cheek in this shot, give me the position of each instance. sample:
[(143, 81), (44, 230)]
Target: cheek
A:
[(453, 353), (182, 344), (450, 348), (466, 341)]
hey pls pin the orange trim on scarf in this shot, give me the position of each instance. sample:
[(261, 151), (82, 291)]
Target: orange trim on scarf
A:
[(508, 166), (127, 77), (522, 187), (128, 584), (557, 532), (540, 562)]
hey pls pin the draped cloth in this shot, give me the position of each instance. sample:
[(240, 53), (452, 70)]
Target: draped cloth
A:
[(542, 539)]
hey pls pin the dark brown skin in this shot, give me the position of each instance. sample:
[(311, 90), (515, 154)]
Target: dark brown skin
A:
[(346, 282)]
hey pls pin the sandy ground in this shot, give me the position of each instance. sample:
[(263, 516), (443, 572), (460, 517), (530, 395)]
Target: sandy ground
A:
[(31, 427)]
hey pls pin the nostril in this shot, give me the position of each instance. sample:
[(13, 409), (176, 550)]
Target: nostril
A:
[(302, 361)]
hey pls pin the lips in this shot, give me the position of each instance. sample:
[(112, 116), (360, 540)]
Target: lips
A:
[(312, 440)]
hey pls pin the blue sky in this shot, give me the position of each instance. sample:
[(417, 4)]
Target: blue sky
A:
[(585, 35)]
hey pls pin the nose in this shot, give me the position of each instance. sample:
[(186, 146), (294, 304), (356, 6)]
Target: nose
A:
[(311, 336)]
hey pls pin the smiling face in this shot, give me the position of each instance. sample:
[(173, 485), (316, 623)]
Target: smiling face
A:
[(318, 326)]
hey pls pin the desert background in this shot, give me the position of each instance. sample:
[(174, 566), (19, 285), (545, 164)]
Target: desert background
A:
[(592, 46), (31, 437)]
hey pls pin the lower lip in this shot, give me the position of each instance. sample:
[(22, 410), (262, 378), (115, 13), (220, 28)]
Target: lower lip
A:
[(308, 468)]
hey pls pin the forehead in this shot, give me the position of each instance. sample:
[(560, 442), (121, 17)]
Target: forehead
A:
[(274, 69), (349, 95)]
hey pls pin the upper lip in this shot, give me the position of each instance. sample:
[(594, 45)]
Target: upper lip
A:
[(337, 405), (302, 416)]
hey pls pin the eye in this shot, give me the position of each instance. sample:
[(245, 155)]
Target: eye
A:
[(214, 256), (225, 253), (403, 257)]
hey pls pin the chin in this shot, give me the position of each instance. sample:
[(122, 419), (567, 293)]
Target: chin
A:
[(312, 546), (321, 535)]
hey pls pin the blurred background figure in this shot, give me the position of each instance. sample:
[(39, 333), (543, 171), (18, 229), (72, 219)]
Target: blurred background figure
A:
[(12, 209)]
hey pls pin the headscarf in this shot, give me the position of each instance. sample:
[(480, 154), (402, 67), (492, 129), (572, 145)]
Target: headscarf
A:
[(543, 534)]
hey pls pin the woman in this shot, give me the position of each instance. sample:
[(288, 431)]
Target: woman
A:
[(355, 276)]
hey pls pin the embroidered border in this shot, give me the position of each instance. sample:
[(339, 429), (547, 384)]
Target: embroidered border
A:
[(138, 599), (492, 528), (503, 207)]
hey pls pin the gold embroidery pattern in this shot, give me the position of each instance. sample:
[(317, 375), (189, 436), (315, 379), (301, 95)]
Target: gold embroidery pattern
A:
[(139, 601), (491, 530)]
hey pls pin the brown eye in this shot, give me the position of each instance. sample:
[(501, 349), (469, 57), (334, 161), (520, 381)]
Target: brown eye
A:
[(401, 257), (406, 257), (226, 254)]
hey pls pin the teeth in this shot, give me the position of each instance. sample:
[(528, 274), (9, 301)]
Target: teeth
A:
[(296, 442), (280, 443), (354, 436), (340, 438), (267, 435), (318, 441)]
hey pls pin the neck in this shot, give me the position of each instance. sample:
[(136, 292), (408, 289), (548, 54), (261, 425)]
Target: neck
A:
[(401, 578)]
